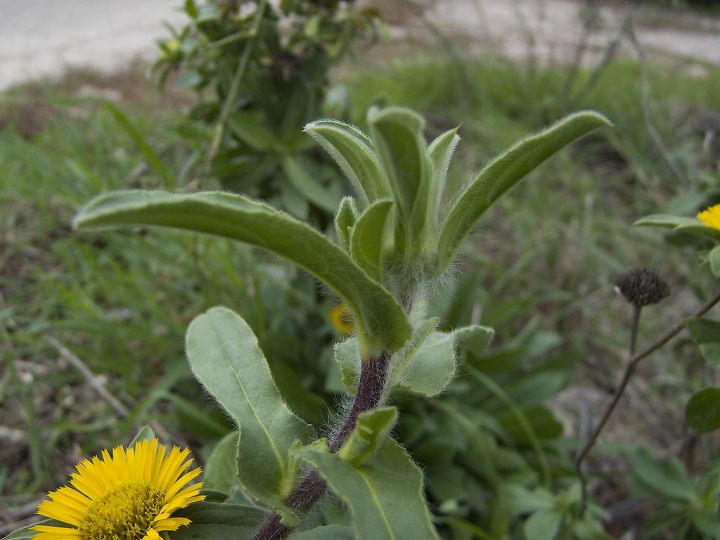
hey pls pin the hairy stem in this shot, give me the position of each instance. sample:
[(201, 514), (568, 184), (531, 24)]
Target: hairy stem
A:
[(632, 365), (373, 376)]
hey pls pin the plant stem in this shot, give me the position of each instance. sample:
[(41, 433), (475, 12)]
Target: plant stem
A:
[(371, 387), (635, 359)]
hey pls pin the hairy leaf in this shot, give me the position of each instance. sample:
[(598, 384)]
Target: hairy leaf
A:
[(371, 429), (219, 521), (385, 494), (221, 469), (345, 220), (366, 242), (225, 357), (504, 172), (243, 219), (440, 151), (347, 357)]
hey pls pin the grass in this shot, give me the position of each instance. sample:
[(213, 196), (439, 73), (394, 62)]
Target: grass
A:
[(122, 300)]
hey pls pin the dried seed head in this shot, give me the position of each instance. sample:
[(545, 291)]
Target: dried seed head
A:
[(642, 287)]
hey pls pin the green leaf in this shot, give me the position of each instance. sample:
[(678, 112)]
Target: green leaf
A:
[(243, 219), (352, 151), (25, 533), (145, 433), (221, 469), (370, 430), (152, 158), (440, 152), (474, 339), (666, 477), (225, 357), (345, 220), (308, 186), (246, 128), (347, 357), (397, 134), (401, 359), (542, 525), (328, 532), (219, 521), (714, 260), (504, 172), (706, 333), (368, 234), (385, 494), (679, 224), (432, 367), (702, 412)]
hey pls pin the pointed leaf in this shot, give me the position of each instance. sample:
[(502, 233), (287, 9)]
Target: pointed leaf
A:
[(219, 521), (397, 135), (225, 357), (221, 469), (504, 172), (368, 234), (243, 219), (440, 151), (352, 151), (371, 429), (385, 495), (347, 357), (308, 186), (345, 220), (145, 433)]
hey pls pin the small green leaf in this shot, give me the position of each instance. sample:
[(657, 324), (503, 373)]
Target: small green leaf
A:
[(679, 224), (706, 333), (542, 525), (353, 152), (440, 152), (714, 260), (474, 339), (504, 172), (219, 521), (308, 186), (345, 220), (26, 533), (328, 532), (370, 430), (240, 218), (145, 433), (225, 357), (385, 494), (246, 128), (432, 367), (397, 135), (702, 412), (221, 469), (368, 235), (401, 359)]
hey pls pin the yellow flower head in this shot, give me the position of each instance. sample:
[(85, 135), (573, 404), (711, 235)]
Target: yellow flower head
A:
[(127, 496), (711, 216), (342, 319)]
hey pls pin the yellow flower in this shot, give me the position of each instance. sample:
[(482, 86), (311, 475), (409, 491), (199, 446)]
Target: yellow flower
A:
[(127, 496), (342, 319), (711, 216)]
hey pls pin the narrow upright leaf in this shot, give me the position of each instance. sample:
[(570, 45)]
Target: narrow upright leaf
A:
[(368, 235), (345, 220), (347, 357), (440, 151), (353, 152), (504, 172), (385, 494), (145, 433), (397, 134), (370, 430), (225, 357), (240, 218)]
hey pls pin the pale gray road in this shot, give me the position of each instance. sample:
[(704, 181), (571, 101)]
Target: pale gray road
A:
[(43, 37)]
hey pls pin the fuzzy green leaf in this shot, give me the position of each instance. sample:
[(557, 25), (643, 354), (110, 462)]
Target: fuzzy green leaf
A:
[(432, 367), (347, 357), (243, 219), (218, 521), (397, 134), (440, 151), (368, 234), (328, 532), (702, 412), (225, 357), (401, 359), (353, 152), (221, 469), (385, 494), (145, 433), (345, 220), (371, 429), (474, 339), (504, 172)]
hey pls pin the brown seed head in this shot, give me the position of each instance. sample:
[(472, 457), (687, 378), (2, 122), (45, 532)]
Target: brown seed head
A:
[(642, 287)]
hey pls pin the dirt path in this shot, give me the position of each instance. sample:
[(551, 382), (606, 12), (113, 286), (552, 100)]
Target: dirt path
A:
[(43, 37)]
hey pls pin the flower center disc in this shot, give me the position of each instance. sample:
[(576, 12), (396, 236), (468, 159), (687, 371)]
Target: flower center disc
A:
[(125, 513)]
